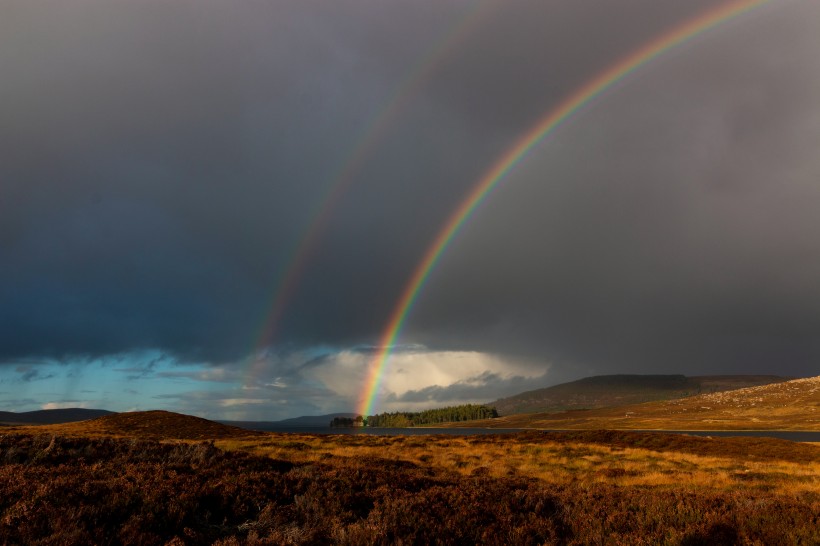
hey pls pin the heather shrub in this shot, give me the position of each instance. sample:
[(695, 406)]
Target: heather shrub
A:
[(57, 490)]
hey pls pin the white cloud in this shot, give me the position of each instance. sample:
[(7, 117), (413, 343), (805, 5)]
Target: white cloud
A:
[(311, 383), (418, 369), (228, 402), (65, 404)]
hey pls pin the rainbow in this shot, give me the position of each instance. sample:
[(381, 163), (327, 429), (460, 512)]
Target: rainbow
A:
[(299, 254), (545, 126)]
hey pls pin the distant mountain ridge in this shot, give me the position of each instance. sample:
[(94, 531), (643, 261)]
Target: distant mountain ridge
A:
[(294, 422), (51, 416), (73, 415), (590, 393), (603, 391)]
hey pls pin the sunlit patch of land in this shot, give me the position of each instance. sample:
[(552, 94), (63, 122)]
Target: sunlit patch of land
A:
[(148, 425), (791, 405), (584, 458), (606, 391), (148, 478)]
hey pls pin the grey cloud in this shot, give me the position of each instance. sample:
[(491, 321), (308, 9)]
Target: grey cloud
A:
[(159, 179), (217, 376), (13, 404), (30, 373), (668, 230), (262, 404), (147, 369), (160, 161)]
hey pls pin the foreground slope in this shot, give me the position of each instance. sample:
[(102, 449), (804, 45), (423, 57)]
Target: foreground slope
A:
[(791, 405), (623, 389), (573, 488)]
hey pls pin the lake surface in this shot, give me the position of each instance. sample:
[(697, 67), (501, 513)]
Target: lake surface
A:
[(794, 436)]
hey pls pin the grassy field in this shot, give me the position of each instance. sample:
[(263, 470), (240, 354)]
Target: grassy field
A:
[(148, 478)]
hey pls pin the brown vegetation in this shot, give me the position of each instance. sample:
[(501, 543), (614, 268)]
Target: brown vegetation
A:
[(155, 424), (584, 457), (583, 487)]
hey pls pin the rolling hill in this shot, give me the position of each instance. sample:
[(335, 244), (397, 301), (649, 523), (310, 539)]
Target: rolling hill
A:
[(51, 416), (620, 390), (789, 405), (156, 425)]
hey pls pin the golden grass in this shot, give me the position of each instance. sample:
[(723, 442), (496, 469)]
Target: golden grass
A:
[(553, 462), (598, 487), (585, 458)]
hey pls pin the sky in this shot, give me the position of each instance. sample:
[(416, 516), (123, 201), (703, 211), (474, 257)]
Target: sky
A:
[(163, 162)]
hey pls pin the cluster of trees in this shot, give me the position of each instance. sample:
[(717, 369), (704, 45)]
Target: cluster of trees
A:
[(358, 421), (400, 419), (466, 412)]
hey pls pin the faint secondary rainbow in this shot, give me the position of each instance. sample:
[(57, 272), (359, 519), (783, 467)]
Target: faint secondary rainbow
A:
[(303, 248), (545, 126)]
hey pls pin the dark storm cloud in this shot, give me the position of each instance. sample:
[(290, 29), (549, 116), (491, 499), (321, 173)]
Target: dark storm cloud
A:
[(159, 160), (670, 229)]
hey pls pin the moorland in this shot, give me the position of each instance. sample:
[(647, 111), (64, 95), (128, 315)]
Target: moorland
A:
[(164, 478), (605, 391), (784, 405)]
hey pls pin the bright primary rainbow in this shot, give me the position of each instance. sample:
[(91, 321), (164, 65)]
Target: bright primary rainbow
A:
[(297, 259), (515, 153)]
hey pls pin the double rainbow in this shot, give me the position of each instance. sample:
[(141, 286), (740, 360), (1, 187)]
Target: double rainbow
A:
[(299, 255), (545, 126)]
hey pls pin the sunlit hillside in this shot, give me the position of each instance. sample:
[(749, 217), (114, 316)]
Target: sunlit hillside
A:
[(157, 425), (619, 390), (791, 405)]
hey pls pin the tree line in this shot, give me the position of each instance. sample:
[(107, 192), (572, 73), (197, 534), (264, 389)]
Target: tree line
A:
[(358, 421), (466, 412)]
